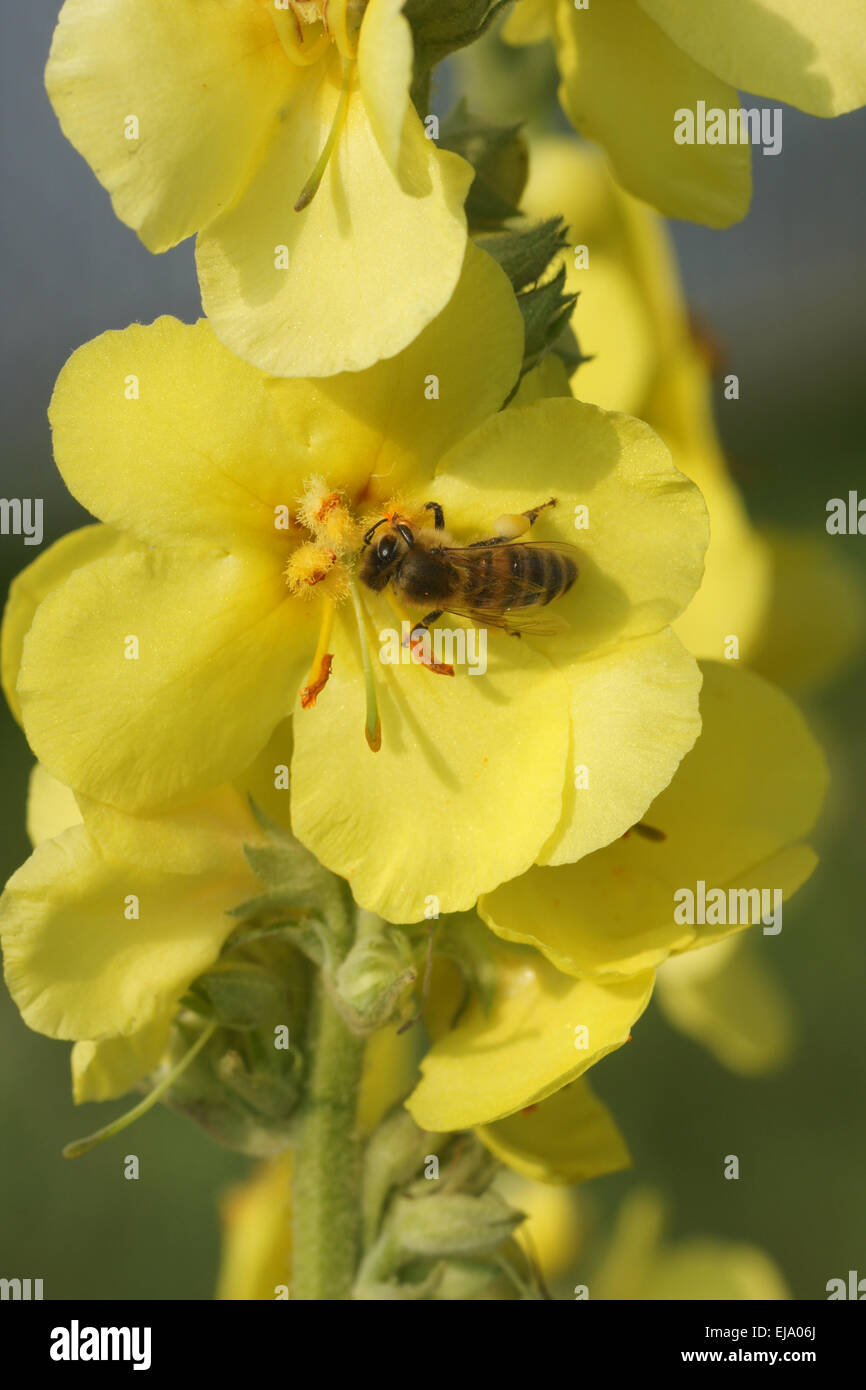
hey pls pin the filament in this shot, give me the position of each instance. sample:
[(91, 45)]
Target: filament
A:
[(308, 192), (83, 1146), (321, 667), (373, 725)]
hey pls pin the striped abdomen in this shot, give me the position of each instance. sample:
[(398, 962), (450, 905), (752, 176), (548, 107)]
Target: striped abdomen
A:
[(518, 576)]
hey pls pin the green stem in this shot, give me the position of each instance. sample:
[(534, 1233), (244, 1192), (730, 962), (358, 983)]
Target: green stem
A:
[(325, 1199)]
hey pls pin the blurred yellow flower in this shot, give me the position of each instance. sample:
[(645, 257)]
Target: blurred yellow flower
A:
[(222, 119), (637, 1264), (769, 590), (629, 67)]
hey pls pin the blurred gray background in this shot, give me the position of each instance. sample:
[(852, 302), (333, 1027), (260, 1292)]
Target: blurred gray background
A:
[(785, 293)]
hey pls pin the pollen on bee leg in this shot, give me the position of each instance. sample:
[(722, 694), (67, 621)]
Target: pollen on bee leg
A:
[(514, 524)]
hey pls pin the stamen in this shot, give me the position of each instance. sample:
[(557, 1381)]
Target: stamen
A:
[(416, 644), (321, 667), (310, 188), (373, 725), (83, 1146)]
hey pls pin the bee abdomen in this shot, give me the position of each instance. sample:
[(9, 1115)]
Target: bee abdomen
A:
[(536, 576)]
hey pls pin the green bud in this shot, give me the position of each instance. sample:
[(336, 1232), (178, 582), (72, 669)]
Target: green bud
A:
[(241, 994), (376, 977), (500, 157), (453, 1225), (440, 27), (395, 1153)]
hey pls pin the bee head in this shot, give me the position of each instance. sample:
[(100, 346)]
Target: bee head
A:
[(380, 557)]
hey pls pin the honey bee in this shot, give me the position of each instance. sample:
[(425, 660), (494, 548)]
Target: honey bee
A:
[(494, 582)]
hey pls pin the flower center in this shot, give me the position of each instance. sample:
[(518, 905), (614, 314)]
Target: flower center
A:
[(322, 567), (317, 567), (307, 28)]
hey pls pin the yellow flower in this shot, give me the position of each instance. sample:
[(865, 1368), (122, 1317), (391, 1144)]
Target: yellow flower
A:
[(212, 118), (151, 675), (541, 1030), (113, 916), (256, 1255), (587, 937), (637, 1264), (633, 325), (629, 66), (726, 999)]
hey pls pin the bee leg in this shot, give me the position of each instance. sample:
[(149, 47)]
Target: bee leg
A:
[(427, 620), (509, 527), (438, 517), (419, 644)]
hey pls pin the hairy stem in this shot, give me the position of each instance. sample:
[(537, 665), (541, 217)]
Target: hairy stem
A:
[(325, 1199)]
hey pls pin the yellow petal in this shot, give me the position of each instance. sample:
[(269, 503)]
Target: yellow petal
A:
[(808, 55), (541, 1032), (570, 1137), (51, 807), (358, 273), (549, 378), (641, 554), (208, 833), (390, 1071), (809, 578), (384, 429), (749, 790), (615, 333), (108, 1069), (622, 81), (619, 260), (634, 717), (552, 1228), (715, 1271), (139, 447), (727, 999), (256, 1256), (724, 617), (431, 815), (385, 73), (637, 1265), (39, 579), (220, 655), (78, 966), (530, 22), (170, 104)]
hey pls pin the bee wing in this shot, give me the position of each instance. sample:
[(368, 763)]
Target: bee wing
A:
[(488, 612), (518, 621)]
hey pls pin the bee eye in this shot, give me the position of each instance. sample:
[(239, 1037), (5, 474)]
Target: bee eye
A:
[(386, 549)]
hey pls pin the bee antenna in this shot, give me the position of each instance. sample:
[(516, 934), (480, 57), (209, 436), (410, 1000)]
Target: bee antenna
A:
[(405, 533), (373, 529)]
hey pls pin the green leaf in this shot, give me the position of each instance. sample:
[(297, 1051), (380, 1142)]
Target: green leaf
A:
[(500, 157), (526, 253), (546, 311), (440, 27)]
